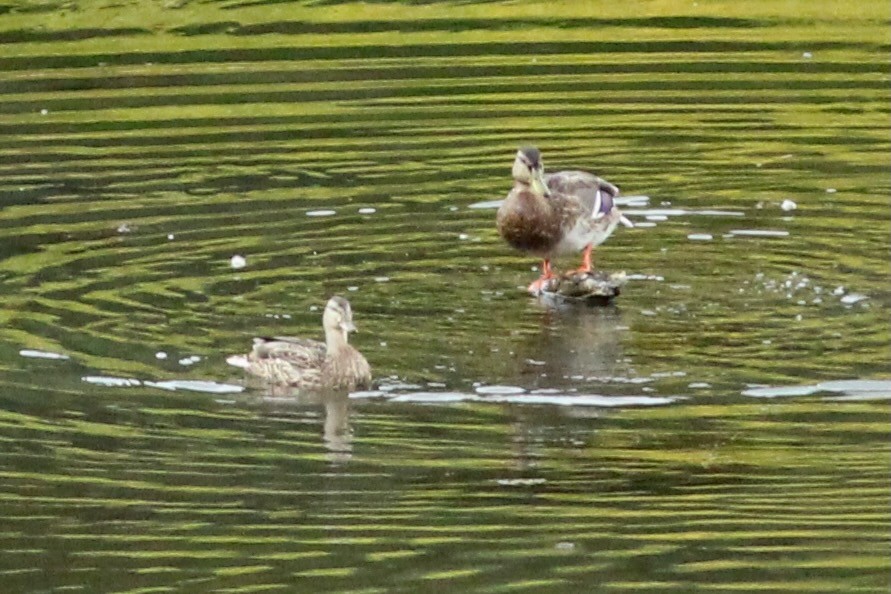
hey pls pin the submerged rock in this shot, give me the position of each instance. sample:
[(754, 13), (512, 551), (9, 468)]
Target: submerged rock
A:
[(594, 288)]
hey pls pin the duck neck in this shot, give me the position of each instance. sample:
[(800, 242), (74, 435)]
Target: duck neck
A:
[(532, 199), (335, 340)]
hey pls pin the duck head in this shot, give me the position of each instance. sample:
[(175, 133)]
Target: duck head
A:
[(338, 318), (529, 171)]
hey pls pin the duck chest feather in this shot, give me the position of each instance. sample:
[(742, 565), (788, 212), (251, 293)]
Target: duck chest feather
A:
[(528, 225)]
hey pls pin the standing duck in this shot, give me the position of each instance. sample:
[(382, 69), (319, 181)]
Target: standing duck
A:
[(561, 213), (308, 364)]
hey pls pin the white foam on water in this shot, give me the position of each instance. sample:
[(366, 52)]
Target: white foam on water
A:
[(111, 382), (851, 386), (680, 212), (35, 354), (500, 390), (779, 391), (536, 399), (632, 201), (206, 387), (486, 204), (849, 390), (759, 233), (321, 213)]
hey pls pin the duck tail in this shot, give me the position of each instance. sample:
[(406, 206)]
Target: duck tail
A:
[(238, 361)]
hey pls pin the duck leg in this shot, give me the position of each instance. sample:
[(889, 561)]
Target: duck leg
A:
[(587, 265), (546, 274)]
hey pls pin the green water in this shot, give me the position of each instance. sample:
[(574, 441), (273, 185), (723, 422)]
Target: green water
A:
[(722, 428)]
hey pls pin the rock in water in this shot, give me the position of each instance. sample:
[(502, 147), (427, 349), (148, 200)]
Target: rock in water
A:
[(594, 288)]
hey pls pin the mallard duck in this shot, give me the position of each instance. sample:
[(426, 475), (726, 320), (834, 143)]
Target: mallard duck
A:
[(565, 212), (309, 364)]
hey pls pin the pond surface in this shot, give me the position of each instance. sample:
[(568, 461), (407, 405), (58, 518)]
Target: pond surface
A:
[(722, 428)]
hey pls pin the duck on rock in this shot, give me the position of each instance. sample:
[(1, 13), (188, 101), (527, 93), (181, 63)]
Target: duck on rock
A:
[(561, 213)]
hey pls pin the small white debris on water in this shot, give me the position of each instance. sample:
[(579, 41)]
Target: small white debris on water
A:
[(34, 354), (798, 318), (852, 298), (320, 213), (238, 262), (189, 360), (788, 205), (839, 290), (381, 279), (353, 288), (44, 111), (383, 343), (520, 482), (367, 210), (160, 355), (807, 55), (831, 190), (463, 236), (699, 237), (170, 236), (124, 228), (564, 546)]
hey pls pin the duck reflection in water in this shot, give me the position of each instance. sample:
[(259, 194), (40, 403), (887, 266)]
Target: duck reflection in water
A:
[(302, 371), (575, 343), (284, 403)]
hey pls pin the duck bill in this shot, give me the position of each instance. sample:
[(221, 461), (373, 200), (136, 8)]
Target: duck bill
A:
[(538, 183)]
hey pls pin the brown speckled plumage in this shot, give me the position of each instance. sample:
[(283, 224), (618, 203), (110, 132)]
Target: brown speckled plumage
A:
[(569, 211), (535, 224), (538, 224), (310, 364)]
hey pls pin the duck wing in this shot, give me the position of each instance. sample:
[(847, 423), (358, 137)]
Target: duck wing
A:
[(594, 195), (299, 352)]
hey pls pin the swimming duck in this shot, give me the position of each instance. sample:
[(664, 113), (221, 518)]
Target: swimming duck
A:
[(565, 212), (309, 364)]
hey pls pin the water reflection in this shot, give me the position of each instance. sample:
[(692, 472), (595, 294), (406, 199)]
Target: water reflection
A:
[(575, 342), (284, 402), (338, 156)]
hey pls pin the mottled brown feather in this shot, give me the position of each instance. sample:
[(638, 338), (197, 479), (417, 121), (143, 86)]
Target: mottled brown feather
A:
[(536, 224)]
